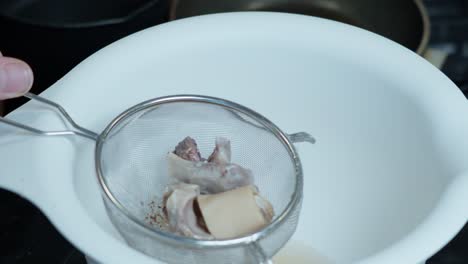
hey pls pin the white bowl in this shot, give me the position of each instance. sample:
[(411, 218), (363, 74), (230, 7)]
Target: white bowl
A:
[(387, 181)]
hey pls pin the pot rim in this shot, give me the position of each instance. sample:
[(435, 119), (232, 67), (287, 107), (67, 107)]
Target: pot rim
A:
[(84, 25), (423, 42)]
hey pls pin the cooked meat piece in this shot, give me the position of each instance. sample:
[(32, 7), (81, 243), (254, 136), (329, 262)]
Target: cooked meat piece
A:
[(235, 213), (214, 198), (179, 208), (210, 176), (265, 206), (222, 152), (187, 149)]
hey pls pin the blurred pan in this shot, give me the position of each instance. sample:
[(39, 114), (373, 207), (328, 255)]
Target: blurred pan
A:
[(403, 21), (53, 36)]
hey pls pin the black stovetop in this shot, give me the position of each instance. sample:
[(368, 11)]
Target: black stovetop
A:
[(26, 236)]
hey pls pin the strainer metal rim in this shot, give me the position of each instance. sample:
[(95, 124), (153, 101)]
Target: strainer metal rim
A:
[(192, 242)]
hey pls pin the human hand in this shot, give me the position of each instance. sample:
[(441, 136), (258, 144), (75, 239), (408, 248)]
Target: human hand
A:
[(16, 77)]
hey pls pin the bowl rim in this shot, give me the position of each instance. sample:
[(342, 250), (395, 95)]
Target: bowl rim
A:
[(437, 93)]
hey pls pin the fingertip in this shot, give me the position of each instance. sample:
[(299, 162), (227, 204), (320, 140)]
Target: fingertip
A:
[(16, 77)]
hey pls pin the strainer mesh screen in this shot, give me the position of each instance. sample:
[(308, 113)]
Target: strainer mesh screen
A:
[(134, 166)]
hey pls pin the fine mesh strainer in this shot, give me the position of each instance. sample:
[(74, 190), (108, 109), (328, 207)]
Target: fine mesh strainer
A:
[(130, 159)]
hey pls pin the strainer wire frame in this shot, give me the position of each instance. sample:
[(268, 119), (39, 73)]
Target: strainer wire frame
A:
[(229, 105), (100, 140)]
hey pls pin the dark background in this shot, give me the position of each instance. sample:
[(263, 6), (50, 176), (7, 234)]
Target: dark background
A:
[(26, 236)]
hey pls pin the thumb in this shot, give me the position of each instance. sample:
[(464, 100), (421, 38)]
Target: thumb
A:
[(16, 77)]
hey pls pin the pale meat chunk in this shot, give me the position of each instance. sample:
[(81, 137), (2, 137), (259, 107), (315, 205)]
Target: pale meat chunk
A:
[(222, 152), (214, 198), (235, 213), (179, 204), (210, 176)]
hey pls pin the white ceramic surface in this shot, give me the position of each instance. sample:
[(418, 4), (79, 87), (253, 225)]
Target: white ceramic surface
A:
[(387, 181)]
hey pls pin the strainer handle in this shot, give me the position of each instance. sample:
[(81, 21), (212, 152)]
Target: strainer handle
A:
[(258, 254), (78, 130)]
